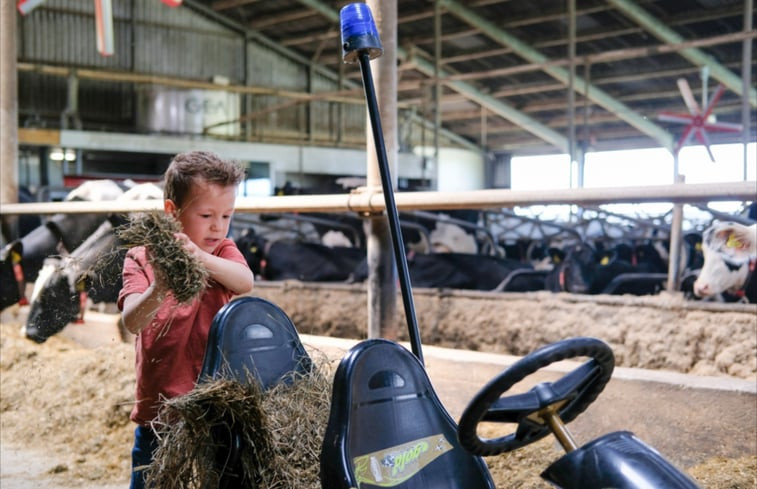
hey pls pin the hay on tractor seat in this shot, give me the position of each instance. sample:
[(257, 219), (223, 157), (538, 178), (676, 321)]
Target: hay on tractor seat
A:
[(282, 431), (183, 273)]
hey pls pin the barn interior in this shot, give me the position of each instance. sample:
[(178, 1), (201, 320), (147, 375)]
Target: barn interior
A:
[(465, 87), (261, 79)]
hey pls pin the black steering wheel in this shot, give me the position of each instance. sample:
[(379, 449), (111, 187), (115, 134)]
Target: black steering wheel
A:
[(567, 397)]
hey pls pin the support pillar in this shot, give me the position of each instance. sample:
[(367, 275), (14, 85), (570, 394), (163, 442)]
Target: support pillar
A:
[(676, 233), (8, 116), (746, 82), (382, 275)]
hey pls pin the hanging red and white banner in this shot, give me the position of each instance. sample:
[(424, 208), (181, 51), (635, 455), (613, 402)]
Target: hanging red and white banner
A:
[(172, 3), (104, 26), (26, 6)]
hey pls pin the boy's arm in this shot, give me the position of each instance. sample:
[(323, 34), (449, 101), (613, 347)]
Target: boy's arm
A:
[(140, 309), (235, 276)]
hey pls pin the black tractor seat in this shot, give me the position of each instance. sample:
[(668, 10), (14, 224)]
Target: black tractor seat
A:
[(250, 338), (252, 335), (387, 427)]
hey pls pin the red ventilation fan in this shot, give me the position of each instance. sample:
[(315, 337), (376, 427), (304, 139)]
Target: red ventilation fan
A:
[(698, 122)]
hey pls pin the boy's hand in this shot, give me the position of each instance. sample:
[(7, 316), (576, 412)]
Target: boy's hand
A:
[(190, 246)]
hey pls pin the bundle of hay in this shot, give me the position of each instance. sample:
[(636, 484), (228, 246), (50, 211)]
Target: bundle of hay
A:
[(281, 430), (183, 273)]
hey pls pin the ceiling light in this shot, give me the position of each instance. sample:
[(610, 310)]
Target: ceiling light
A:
[(57, 154)]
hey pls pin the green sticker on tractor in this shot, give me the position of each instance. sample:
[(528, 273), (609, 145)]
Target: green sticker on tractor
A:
[(395, 465)]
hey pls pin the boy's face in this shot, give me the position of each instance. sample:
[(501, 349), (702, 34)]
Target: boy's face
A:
[(206, 214)]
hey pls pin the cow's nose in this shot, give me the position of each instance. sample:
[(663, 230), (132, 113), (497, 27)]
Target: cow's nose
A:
[(701, 290)]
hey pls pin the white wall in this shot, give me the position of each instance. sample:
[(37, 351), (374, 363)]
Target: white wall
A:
[(459, 169)]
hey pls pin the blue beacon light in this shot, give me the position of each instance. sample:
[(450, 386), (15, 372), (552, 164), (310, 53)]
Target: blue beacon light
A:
[(361, 44), (359, 32)]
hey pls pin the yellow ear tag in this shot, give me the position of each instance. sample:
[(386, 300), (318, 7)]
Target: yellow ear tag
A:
[(733, 242), (605, 260)]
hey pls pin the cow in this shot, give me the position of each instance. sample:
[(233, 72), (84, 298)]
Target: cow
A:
[(440, 232), (92, 272), (730, 253), (451, 238), (289, 259), (621, 269), (22, 259), (462, 270), (692, 259), (575, 273)]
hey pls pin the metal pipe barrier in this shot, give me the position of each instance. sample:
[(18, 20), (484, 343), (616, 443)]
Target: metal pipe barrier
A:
[(371, 200)]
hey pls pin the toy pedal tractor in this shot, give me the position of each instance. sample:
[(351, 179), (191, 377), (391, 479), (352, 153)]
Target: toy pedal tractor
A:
[(617, 460)]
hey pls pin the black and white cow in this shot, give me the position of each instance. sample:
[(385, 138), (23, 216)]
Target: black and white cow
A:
[(92, 272), (439, 231), (621, 269), (465, 271), (288, 259), (22, 259), (730, 253)]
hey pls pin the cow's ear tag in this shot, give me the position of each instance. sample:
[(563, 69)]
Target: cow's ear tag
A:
[(733, 242), (605, 260)]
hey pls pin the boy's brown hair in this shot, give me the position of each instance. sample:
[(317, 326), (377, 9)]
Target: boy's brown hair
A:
[(186, 168)]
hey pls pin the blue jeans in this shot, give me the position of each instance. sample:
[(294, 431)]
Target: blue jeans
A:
[(145, 444)]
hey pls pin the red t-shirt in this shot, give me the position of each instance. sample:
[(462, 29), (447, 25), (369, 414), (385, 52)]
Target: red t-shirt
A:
[(170, 351)]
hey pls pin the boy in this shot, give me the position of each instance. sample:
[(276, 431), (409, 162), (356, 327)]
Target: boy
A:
[(200, 189)]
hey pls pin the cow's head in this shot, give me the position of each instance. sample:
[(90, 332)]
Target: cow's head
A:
[(55, 301), (93, 270), (576, 272), (252, 247), (727, 248)]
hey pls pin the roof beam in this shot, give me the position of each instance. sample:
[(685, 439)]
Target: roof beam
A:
[(228, 4), (696, 56), (595, 94), (323, 9), (333, 16), (329, 13), (494, 105), (615, 55)]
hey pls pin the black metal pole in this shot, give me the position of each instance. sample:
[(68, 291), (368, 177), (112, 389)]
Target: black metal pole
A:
[(391, 207)]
